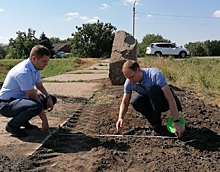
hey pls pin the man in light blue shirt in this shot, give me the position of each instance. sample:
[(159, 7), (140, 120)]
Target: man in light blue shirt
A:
[(19, 98), (154, 96)]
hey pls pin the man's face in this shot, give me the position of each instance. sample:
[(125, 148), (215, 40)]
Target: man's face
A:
[(134, 77), (40, 63)]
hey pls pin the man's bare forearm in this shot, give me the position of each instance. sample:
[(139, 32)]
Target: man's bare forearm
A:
[(123, 110), (43, 116)]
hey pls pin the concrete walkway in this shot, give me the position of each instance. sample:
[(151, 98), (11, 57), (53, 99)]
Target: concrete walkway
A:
[(80, 83)]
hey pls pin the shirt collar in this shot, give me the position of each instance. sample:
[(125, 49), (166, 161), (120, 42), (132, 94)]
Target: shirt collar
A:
[(31, 66), (143, 79)]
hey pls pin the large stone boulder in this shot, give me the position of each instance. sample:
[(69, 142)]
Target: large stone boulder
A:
[(124, 48)]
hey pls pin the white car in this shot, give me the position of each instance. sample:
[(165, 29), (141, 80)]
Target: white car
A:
[(166, 49)]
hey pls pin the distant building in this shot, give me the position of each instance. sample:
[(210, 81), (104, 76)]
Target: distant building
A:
[(61, 49)]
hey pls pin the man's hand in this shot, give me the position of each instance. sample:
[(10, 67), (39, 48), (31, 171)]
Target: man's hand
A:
[(49, 104), (45, 126), (119, 124), (179, 129)]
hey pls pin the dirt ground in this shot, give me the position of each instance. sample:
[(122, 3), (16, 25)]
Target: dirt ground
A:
[(82, 144)]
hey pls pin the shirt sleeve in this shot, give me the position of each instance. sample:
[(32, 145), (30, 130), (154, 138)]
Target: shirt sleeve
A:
[(160, 79), (127, 87), (25, 81)]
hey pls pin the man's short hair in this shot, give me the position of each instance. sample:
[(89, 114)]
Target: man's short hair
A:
[(39, 51), (131, 64)]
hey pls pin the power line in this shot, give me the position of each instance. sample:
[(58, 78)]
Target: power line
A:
[(172, 23), (178, 16)]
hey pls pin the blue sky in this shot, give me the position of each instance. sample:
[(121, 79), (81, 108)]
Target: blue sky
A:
[(177, 20)]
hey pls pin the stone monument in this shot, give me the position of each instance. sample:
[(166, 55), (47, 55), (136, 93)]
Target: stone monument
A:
[(124, 48)]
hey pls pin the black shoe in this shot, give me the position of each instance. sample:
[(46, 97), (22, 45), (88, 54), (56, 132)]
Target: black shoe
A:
[(27, 125), (16, 132), (157, 130)]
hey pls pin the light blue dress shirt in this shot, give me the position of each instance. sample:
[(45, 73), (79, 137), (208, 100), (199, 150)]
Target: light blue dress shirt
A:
[(19, 79)]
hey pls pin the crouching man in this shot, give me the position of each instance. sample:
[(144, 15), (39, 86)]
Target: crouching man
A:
[(19, 98), (154, 96)]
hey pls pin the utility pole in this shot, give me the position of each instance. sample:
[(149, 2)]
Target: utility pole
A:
[(134, 16)]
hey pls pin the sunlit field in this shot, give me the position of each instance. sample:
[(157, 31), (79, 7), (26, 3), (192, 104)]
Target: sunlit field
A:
[(202, 74)]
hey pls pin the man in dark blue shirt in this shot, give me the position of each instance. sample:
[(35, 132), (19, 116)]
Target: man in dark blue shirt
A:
[(154, 96)]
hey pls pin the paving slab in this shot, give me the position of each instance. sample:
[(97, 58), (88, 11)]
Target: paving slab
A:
[(72, 89), (72, 77)]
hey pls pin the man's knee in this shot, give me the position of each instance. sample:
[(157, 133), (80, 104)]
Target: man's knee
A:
[(156, 90), (139, 103), (135, 101), (36, 108)]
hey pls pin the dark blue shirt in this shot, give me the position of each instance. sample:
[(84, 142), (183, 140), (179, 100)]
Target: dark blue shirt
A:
[(151, 76)]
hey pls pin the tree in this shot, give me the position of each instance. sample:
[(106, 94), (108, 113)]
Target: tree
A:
[(20, 47), (93, 40), (3, 51), (147, 40), (54, 40), (212, 47), (45, 41), (207, 48)]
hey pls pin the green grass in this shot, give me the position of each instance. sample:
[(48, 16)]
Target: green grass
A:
[(200, 74), (55, 67), (59, 66), (5, 66)]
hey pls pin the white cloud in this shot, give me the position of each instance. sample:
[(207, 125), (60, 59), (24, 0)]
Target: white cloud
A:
[(4, 40), (104, 6), (1, 10), (93, 20), (72, 15), (126, 2), (84, 18), (216, 13)]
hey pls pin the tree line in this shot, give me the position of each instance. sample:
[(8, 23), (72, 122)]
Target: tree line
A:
[(93, 40)]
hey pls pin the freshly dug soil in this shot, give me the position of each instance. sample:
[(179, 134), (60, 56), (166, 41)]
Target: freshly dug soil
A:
[(85, 143)]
